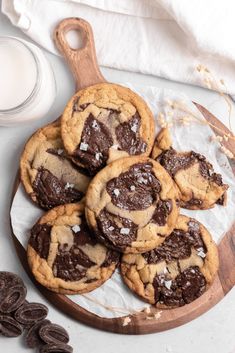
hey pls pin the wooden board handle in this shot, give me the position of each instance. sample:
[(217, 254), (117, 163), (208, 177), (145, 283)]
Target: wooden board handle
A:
[(227, 244), (227, 260), (82, 61)]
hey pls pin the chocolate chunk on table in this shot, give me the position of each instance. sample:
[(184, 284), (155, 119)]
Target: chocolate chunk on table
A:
[(32, 338), (30, 313), (9, 327), (54, 334)]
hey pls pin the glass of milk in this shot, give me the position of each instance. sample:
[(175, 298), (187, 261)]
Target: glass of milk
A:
[(27, 83)]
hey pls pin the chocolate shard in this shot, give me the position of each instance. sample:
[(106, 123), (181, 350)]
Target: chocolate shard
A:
[(56, 348), (32, 338), (29, 313), (8, 280), (12, 298), (9, 327), (54, 334)]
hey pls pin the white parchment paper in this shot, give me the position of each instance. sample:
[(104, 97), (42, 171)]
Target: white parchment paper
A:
[(114, 299)]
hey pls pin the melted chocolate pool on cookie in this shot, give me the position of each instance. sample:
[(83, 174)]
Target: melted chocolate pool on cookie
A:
[(178, 245), (186, 287), (173, 161), (190, 283), (96, 140), (71, 263), (51, 192), (136, 189), (127, 136), (111, 230)]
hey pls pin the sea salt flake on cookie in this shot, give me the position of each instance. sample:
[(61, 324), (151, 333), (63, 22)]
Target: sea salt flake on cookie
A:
[(95, 125), (98, 155), (83, 146), (134, 128), (60, 151), (201, 253), (125, 231), (76, 228), (68, 185), (116, 192), (168, 284)]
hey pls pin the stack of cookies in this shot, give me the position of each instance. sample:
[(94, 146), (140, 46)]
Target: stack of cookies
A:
[(113, 196)]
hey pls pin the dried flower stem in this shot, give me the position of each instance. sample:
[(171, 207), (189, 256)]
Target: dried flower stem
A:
[(212, 83), (183, 108)]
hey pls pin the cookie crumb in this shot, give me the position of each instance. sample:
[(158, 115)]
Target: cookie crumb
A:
[(147, 310), (227, 152), (158, 315), (126, 321)]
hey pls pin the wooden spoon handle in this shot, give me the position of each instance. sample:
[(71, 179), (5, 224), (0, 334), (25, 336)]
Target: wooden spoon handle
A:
[(82, 61)]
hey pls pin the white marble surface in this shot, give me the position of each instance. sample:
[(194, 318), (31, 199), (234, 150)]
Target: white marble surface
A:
[(213, 331)]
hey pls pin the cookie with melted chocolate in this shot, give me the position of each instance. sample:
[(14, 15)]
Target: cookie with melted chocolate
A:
[(199, 186), (131, 205), (176, 272), (64, 255), (106, 122), (49, 177)]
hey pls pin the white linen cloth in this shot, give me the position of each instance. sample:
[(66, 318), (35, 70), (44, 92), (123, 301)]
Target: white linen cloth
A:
[(166, 38)]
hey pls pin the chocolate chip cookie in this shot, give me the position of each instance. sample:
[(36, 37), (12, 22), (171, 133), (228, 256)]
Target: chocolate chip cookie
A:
[(63, 254), (176, 272), (131, 204), (50, 178), (106, 122), (199, 186)]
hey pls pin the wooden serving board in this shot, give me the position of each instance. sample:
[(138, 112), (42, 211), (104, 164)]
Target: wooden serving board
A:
[(83, 64)]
